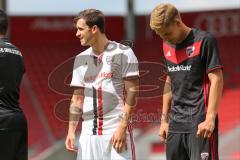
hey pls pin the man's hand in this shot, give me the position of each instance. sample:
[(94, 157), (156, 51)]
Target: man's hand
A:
[(119, 139), (206, 128), (69, 143), (163, 132)]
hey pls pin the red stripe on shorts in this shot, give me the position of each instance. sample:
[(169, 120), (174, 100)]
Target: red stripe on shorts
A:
[(131, 141)]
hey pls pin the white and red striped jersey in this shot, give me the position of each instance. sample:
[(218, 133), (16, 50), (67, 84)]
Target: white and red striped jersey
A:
[(102, 77)]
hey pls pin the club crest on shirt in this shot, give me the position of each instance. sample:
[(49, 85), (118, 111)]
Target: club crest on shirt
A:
[(204, 156), (190, 50), (109, 60)]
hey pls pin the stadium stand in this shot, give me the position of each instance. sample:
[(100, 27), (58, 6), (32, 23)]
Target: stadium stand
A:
[(43, 56)]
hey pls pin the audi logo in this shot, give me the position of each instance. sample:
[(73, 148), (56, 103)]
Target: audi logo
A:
[(219, 24)]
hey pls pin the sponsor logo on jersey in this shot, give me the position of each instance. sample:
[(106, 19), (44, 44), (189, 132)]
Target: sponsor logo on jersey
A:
[(10, 50), (103, 75), (179, 68), (204, 156)]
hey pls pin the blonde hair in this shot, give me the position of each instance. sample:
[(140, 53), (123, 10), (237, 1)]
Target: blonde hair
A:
[(163, 15)]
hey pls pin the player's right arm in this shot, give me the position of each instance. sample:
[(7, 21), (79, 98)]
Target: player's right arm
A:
[(167, 98), (75, 114)]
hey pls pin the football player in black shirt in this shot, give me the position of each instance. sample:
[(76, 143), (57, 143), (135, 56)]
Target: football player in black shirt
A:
[(193, 88), (13, 124)]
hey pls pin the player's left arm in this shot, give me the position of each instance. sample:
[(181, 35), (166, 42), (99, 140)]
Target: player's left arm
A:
[(206, 128), (131, 89)]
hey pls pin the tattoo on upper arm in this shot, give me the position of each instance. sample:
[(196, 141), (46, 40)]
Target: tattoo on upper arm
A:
[(78, 92)]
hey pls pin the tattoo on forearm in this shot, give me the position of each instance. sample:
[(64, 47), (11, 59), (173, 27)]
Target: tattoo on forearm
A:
[(75, 110), (125, 117), (75, 114), (164, 117)]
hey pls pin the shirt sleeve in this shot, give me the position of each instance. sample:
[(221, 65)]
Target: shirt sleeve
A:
[(211, 54), (129, 64), (77, 77)]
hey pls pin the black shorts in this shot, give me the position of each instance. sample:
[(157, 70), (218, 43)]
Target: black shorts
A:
[(186, 146), (14, 140)]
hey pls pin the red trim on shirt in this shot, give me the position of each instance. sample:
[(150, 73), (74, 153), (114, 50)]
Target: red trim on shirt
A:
[(180, 55), (100, 111)]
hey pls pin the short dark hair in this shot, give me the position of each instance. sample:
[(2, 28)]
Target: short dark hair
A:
[(3, 22), (92, 17)]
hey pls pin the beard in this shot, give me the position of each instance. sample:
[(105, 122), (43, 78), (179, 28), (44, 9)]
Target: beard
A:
[(87, 41)]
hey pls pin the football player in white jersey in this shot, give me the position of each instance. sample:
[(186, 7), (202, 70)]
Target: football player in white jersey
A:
[(105, 80)]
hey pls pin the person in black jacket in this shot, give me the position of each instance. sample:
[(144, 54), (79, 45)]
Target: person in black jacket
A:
[(13, 123)]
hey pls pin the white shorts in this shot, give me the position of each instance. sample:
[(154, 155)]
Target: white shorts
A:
[(99, 147)]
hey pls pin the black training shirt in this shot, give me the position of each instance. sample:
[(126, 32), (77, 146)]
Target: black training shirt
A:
[(11, 72), (188, 65)]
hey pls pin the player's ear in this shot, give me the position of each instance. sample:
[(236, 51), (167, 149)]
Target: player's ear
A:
[(178, 22), (94, 29)]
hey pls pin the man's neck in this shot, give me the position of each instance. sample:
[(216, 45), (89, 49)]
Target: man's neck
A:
[(185, 32), (100, 44)]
